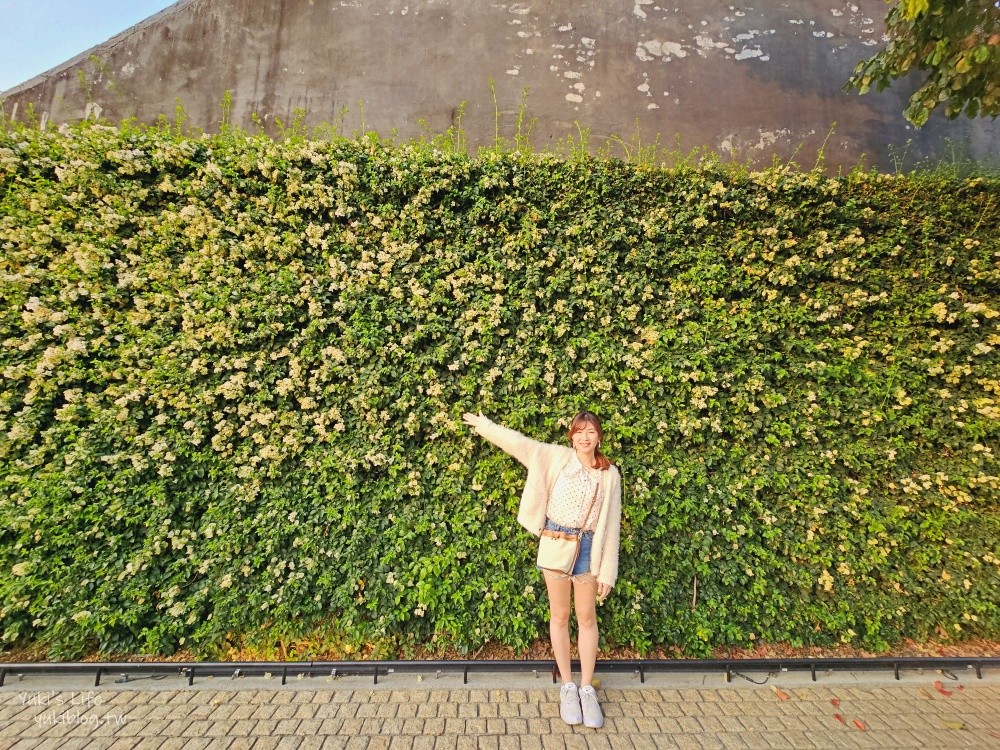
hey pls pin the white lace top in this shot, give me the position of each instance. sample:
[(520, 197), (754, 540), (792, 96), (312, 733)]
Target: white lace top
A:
[(573, 492)]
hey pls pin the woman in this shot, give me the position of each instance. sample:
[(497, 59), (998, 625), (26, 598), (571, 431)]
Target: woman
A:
[(568, 489)]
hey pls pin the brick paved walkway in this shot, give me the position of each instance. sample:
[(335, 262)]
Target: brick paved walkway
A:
[(912, 714)]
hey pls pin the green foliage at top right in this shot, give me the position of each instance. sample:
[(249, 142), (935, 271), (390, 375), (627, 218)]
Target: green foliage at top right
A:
[(955, 43)]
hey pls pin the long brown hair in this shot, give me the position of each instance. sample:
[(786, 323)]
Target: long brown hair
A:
[(584, 418)]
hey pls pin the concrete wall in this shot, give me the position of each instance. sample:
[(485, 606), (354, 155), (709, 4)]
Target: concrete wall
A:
[(750, 80)]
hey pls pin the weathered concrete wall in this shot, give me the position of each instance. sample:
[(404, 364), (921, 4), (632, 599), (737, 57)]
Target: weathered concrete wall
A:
[(754, 81)]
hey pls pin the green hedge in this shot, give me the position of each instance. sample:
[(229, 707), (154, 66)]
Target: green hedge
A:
[(234, 369)]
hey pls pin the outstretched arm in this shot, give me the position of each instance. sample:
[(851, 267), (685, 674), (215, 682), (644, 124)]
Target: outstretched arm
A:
[(508, 440)]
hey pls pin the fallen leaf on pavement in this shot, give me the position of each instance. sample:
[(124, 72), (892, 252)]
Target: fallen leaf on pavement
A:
[(835, 702), (954, 724), (940, 688), (840, 718), (925, 693), (781, 693), (861, 725)]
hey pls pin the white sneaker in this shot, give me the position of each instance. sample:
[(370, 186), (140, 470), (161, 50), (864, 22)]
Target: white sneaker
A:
[(569, 704), (592, 716)]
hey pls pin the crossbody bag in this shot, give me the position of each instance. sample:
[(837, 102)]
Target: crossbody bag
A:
[(559, 550)]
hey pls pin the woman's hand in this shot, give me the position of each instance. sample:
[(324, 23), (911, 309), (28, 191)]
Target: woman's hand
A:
[(603, 591), (473, 420)]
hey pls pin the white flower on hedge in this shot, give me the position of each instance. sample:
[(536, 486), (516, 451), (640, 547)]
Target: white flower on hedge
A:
[(21, 568), (826, 580), (269, 453), (77, 344)]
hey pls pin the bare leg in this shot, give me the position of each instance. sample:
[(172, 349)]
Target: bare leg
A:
[(585, 600), (559, 609)]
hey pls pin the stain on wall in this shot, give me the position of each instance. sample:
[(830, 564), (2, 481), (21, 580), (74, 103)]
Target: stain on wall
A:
[(749, 81)]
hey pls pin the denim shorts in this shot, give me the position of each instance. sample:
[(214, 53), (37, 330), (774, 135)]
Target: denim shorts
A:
[(586, 542)]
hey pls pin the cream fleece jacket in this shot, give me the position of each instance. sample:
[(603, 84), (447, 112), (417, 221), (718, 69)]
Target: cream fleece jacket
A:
[(544, 462)]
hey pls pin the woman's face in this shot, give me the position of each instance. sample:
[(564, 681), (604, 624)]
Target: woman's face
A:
[(586, 438)]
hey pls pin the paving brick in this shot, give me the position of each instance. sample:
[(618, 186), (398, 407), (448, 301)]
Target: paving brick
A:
[(119, 743), (386, 710), (561, 727), (710, 742), (653, 709), (219, 728), (407, 710), (549, 709), (645, 725), (576, 742), (688, 708), (732, 741), (265, 728), (539, 727), (734, 709), (401, 742), (243, 711), (468, 710), (516, 726), (411, 726), (447, 710), (367, 711), (330, 726), (713, 709), (495, 727), (391, 726), (346, 710), (183, 743), (620, 742), (529, 710), (508, 709), (309, 727), (263, 712), (488, 710), (304, 711), (340, 696), (371, 727)]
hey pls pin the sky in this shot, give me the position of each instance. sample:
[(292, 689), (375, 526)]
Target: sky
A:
[(41, 34)]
